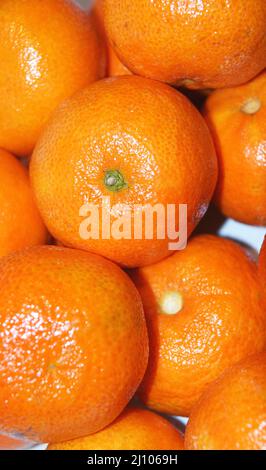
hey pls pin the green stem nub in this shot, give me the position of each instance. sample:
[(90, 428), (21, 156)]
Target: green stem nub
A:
[(114, 180)]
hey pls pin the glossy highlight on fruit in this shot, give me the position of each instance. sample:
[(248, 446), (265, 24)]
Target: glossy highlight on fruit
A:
[(49, 49), (73, 343), (237, 120), (203, 311), (132, 140), (197, 44)]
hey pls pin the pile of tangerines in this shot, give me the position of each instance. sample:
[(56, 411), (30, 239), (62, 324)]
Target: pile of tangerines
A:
[(91, 107)]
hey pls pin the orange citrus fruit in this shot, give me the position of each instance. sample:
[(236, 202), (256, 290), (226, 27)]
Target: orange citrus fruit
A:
[(198, 44), (203, 313), (115, 67), (49, 49), (237, 120), (262, 269), (231, 415), (9, 443), (136, 142), (134, 429), (21, 224), (73, 343)]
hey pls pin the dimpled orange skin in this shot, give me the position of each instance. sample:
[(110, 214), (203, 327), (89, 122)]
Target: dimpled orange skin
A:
[(73, 343), (206, 44), (115, 67), (49, 49), (148, 132), (237, 120), (231, 415), (20, 221), (134, 429), (262, 269), (219, 323)]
